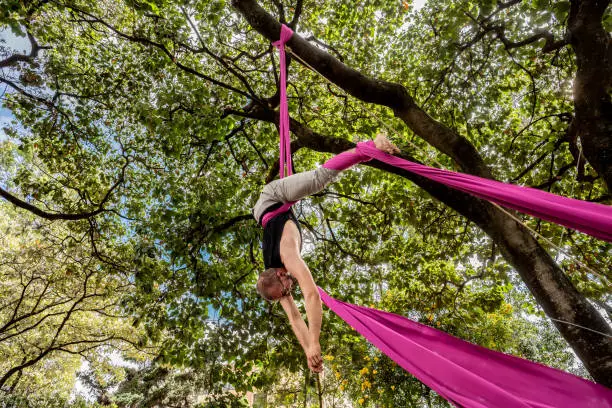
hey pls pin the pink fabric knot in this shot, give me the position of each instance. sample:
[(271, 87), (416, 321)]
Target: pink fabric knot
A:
[(285, 35)]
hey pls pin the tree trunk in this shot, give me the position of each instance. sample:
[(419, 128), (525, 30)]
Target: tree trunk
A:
[(593, 83), (306, 377), (546, 281)]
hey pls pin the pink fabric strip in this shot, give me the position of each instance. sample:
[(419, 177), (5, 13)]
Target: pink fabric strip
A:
[(283, 125), (466, 374), (591, 218), (348, 159)]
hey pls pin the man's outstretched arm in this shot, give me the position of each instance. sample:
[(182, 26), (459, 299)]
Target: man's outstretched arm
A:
[(311, 348), (297, 267), (295, 319)]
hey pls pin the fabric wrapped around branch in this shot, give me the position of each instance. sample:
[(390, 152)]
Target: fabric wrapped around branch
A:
[(591, 218)]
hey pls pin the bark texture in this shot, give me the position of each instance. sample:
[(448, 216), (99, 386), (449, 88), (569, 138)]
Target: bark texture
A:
[(592, 45), (546, 281)]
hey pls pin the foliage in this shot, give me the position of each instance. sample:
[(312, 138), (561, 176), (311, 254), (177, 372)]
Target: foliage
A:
[(47, 401), (157, 386)]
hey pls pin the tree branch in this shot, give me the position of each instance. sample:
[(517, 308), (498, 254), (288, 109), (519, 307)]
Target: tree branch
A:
[(217, 58), (15, 58), (549, 46), (296, 14), (65, 216), (47, 215)]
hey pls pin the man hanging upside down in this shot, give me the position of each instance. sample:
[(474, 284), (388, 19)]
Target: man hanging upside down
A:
[(282, 245)]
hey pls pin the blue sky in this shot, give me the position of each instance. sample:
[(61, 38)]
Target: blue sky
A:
[(18, 44)]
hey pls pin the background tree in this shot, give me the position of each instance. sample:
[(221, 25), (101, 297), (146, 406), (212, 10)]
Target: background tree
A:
[(59, 306)]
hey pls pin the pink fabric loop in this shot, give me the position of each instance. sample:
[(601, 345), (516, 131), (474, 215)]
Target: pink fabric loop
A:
[(348, 159), (465, 374), (283, 125), (591, 218), (285, 34), (268, 216)]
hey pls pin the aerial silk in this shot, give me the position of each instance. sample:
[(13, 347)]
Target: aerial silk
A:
[(466, 374), (285, 165), (591, 218), (283, 125)]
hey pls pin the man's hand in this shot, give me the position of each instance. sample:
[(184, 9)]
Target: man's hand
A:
[(382, 143), (313, 355)]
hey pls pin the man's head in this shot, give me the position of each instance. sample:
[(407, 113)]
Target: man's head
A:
[(275, 283)]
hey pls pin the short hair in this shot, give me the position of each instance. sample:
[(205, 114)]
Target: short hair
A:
[(266, 282)]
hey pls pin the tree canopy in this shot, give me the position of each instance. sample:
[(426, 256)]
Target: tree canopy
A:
[(144, 130)]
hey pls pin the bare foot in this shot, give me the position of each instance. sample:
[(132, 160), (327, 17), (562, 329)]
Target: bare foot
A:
[(382, 143)]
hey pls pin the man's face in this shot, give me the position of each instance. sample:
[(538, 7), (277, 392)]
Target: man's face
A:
[(285, 284)]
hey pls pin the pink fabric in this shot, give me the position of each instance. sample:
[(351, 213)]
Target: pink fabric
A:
[(283, 125), (591, 218), (268, 216), (348, 159), (465, 374)]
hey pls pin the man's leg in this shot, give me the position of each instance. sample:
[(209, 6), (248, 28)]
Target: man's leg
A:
[(293, 188), (300, 185)]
